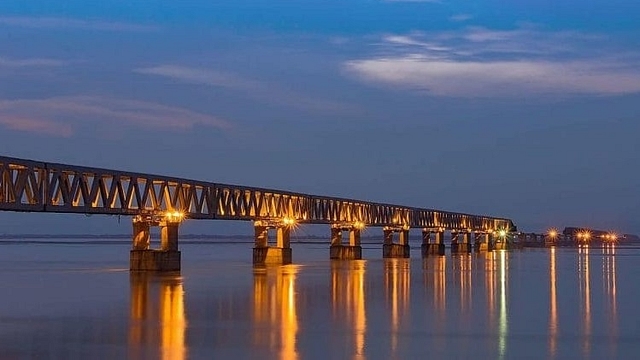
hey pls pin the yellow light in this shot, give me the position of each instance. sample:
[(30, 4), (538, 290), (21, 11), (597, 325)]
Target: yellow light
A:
[(553, 233), (359, 225), (289, 221), (502, 233), (174, 216)]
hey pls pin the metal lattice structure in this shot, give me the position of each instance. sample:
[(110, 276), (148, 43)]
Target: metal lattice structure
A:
[(33, 186)]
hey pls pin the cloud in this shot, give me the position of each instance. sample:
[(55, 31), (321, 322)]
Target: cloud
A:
[(479, 62), (264, 92), (31, 62), (461, 17), (69, 23), (62, 116), (39, 126)]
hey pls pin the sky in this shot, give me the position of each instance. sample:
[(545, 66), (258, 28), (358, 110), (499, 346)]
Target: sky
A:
[(521, 109)]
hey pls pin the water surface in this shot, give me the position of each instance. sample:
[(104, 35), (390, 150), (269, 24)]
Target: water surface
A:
[(80, 301)]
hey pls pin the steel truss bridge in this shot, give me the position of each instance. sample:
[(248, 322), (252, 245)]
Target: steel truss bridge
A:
[(34, 186)]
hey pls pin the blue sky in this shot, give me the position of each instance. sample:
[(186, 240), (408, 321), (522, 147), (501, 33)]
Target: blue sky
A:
[(524, 109)]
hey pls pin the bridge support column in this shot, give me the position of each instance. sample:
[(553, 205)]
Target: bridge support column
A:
[(432, 248), (142, 257), (460, 247), (392, 250), (141, 235), (340, 251), (481, 242), (500, 245), (263, 253)]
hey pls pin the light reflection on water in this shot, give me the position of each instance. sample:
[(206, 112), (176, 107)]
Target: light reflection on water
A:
[(157, 315), (275, 310), (585, 296), (542, 303), (348, 301), (553, 305), (503, 322), (397, 282)]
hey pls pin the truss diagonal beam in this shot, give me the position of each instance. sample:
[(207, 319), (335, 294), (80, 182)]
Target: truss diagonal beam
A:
[(33, 186)]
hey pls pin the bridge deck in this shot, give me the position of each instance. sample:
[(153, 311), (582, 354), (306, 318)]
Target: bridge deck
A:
[(34, 186)]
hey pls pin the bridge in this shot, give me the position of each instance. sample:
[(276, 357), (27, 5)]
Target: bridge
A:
[(154, 200)]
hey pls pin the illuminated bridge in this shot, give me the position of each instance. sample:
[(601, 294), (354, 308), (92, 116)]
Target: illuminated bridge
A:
[(152, 200)]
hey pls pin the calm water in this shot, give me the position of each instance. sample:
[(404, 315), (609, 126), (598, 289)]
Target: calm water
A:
[(79, 301)]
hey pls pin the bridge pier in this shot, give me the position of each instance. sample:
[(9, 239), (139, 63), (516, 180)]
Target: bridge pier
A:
[(265, 254), (458, 247), (393, 250), (432, 248), (142, 257), (499, 243), (482, 242), (340, 251)]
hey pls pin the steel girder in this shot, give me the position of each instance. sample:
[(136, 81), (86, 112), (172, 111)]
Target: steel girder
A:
[(34, 186)]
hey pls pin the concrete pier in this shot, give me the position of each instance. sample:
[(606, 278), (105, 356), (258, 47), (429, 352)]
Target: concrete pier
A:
[(272, 256), (460, 246), (500, 245), (266, 254), (432, 245), (167, 257), (340, 251), (345, 252), (393, 250), (481, 242), (396, 251), (154, 260)]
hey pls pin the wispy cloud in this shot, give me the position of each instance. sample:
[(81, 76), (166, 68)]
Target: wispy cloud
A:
[(257, 90), (30, 62), (479, 62), (461, 17), (63, 116), (70, 23), (39, 126)]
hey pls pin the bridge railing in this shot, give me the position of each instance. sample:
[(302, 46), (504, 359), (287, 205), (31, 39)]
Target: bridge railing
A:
[(27, 185)]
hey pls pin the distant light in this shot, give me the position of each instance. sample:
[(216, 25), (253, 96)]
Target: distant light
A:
[(359, 225), (553, 233), (502, 233), (586, 235)]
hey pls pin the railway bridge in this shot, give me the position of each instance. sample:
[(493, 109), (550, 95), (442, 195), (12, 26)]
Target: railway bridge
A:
[(164, 201)]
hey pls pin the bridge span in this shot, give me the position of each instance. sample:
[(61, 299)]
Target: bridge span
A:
[(154, 200)]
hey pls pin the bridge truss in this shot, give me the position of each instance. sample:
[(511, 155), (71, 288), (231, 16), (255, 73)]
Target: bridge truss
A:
[(32, 186)]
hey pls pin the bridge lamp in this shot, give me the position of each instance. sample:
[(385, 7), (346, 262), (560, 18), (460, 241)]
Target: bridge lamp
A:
[(174, 216), (359, 225), (552, 233), (585, 235), (502, 233), (289, 222)]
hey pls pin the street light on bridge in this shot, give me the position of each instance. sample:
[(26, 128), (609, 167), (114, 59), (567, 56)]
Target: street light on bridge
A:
[(584, 235), (289, 222), (174, 216)]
